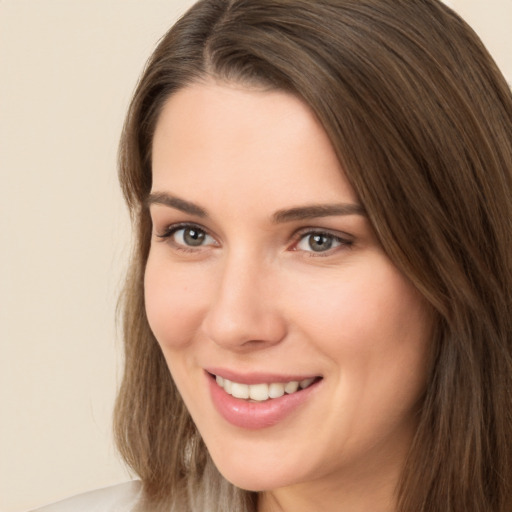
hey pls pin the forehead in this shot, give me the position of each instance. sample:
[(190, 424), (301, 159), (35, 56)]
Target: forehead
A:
[(250, 141)]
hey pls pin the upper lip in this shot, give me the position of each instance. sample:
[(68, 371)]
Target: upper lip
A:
[(256, 377)]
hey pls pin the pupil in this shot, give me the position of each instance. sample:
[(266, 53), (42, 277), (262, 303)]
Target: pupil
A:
[(320, 242), (193, 237)]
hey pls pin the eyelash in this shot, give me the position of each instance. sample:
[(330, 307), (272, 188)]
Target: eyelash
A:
[(303, 234), (167, 235), (299, 236)]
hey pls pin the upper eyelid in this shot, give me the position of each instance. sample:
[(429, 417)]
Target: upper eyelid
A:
[(176, 226), (323, 231), (344, 240), (171, 229), (299, 232)]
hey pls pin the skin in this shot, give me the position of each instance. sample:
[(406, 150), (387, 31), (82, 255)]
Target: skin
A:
[(255, 296)]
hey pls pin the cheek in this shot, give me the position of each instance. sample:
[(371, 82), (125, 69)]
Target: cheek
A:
[(175, 302), (371, 324), (370, 305), (375, 330)]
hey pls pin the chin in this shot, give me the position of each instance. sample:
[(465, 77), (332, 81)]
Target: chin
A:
[(254, 480), (257, 475)]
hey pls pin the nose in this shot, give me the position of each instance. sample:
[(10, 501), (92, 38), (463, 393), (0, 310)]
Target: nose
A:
[(243, 313)]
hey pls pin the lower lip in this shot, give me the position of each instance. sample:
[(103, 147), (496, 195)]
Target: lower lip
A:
[(257, 415)]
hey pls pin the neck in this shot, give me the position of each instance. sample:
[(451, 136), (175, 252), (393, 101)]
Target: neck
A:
[(357, 490), (328, 499)]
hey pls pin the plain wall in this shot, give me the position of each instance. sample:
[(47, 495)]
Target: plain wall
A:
[(67, 70)]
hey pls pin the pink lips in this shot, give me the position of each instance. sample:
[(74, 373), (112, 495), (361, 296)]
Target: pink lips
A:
[(256, 415)]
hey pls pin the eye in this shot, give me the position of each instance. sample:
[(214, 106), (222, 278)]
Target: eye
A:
[(187, 236), (320, 242), (191, 236)]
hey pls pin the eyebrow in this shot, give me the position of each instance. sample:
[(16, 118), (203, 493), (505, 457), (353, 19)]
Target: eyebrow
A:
[(281, 216), (175, 202), (316, 211)]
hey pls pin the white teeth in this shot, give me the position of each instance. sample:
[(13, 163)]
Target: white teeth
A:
[(275, 390), (240, 390), (305, 383), (262, 392), (258, 392), (291, 387)]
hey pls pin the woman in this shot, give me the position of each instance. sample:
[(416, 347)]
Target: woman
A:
[(318, 312)]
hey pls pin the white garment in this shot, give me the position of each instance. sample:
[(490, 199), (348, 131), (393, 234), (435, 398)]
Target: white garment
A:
[(117, 498)]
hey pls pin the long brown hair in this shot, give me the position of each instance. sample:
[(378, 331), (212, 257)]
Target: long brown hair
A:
[(421, 120)]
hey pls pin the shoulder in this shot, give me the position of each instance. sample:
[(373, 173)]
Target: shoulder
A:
[(117, 498)]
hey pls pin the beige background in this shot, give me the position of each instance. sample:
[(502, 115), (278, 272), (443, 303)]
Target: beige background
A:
[(67, 69)]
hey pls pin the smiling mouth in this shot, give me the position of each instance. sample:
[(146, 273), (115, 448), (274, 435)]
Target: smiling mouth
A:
[(264, 391)]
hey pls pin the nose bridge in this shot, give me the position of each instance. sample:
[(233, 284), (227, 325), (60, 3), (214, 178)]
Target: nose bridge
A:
[(243, 311)]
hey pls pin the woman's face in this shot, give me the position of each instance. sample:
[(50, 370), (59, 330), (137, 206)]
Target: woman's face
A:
[(265, 272)]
